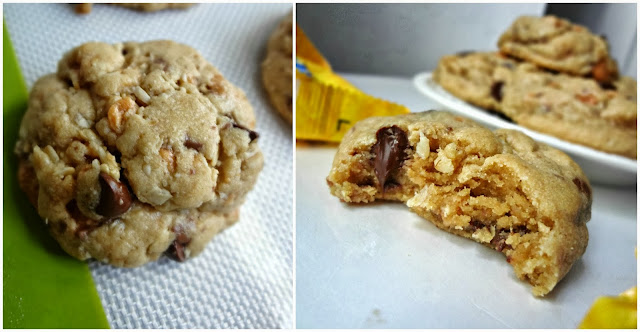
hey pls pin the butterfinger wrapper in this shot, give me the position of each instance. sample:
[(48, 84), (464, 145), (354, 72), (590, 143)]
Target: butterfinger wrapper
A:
[(613, 312), (326, 104)]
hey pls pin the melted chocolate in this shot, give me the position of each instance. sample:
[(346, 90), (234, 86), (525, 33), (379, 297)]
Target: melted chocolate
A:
[(115, 198), (389, 152)]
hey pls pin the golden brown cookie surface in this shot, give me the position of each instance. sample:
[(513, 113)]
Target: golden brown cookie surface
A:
[(137, 149), (477, 77), (576, 109), (559, 45)]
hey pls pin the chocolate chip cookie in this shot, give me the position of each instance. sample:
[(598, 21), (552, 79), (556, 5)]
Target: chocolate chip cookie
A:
[(477, 77), (576, 109), (559, 45), (135, 150), (499, 188), (277, 74)]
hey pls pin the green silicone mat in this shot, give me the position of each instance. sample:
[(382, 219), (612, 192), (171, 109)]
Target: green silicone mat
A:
[(43, 286)]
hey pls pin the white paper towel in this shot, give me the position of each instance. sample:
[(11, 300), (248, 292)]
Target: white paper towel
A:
[(244, 277)]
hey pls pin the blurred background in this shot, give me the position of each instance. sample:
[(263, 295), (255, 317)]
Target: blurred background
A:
[(404, 39)]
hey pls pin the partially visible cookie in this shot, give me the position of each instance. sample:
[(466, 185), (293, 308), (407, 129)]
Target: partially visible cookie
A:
[(476, 77), (501, 188), (154, 6), (135, 150), (576, 109), (559, 45), (276, 68), (85, 8)]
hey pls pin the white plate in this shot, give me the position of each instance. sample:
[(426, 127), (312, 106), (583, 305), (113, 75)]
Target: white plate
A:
[(600, 167)]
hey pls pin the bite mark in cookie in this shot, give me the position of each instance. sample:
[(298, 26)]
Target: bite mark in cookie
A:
[(502, 189)]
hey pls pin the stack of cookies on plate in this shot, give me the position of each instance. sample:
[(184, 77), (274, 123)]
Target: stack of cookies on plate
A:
[(552, 76)]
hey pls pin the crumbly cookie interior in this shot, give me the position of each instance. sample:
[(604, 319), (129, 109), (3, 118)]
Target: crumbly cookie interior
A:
[(463, 187)]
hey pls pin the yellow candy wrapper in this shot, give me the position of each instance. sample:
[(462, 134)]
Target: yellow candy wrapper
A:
[(326, 104), (613, 312)]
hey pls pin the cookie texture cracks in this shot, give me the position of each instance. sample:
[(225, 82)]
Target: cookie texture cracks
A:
[(502, 189), (169, 151), (557, 44), (135, 150)]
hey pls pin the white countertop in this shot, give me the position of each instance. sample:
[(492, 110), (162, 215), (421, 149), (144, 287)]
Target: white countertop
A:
[(382, 266)]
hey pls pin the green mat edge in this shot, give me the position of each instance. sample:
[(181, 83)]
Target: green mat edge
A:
[(43, 287)]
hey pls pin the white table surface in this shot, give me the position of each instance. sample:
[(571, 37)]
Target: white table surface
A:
[(382, 266)]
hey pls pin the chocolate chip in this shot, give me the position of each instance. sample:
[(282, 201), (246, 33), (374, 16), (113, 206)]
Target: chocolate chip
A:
[(289, 102), (252, 134), (183, 238), (176, 251), (367, 182), (391, 185), (496, 90), (176, 248), (583, 187), (389, 151), (475, 224), (521, 229), (499, 241), (191, 144), (115, 198), (607, 85)]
